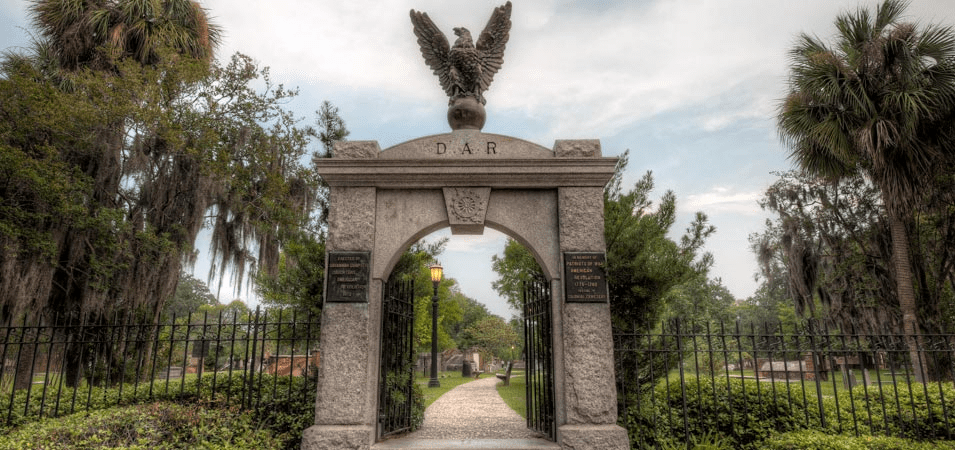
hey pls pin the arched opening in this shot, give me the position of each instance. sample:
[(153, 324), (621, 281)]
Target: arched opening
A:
[(479, 333)]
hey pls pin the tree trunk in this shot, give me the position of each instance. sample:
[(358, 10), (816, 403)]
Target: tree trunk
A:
[(24, 370), (906, 293), (73, 364)]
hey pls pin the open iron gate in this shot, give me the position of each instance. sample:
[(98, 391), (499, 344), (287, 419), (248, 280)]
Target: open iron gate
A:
[(539, 357), (396, 373)]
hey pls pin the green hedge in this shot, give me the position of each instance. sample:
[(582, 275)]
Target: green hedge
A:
[(746, 413), (735, 410), (284, 405), (914, 415), (162, 425), (817, 440)]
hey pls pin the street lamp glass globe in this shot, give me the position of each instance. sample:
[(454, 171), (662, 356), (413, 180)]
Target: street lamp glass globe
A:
[(436, 272)]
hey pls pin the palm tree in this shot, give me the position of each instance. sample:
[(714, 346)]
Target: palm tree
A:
[(873, 103), (97, 33)]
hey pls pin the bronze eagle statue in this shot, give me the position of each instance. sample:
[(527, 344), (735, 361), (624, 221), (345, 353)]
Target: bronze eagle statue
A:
[(465, 69)]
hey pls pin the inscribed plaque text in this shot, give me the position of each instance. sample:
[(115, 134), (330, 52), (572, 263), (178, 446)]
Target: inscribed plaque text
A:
[(347, 274), (585, 280)]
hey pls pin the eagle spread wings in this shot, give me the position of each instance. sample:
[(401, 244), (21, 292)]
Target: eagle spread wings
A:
[(465, 69)]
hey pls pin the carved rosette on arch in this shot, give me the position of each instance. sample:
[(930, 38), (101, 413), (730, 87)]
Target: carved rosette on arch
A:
[(467, 208)]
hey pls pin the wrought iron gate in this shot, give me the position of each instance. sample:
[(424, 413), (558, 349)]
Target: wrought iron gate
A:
[(539, 357), (396, 373)]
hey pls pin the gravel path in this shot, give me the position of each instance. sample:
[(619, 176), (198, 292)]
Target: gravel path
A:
[(472, 410)]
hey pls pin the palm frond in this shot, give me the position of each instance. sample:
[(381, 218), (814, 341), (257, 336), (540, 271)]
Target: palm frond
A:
[(888, 13), (97, 33), (868, 102), (936, 42)]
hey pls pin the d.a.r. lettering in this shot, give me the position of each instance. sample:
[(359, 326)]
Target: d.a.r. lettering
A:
[(441, 148)]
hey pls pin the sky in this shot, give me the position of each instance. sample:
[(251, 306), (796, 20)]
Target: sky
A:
[(689, 87)]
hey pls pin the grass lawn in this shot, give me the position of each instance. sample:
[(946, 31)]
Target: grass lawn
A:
[(827, 388), (513, 395), (53, 379), (448, 381)]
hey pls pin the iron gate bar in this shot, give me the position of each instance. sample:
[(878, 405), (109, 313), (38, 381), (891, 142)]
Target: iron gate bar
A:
[(396, 369), (261, 357), (539, 358)]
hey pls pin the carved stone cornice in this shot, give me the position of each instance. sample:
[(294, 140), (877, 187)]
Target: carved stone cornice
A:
[(497, 174)]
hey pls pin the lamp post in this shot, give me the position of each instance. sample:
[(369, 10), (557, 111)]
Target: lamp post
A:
[(435, 280)]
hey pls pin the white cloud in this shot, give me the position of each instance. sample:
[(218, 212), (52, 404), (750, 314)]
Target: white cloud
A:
[(723, 200), (588, 70), (609, 68)]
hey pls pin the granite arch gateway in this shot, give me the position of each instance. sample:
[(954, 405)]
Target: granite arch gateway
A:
[(381, 201)]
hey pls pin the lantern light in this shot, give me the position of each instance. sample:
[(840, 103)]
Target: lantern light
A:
[(436, 273)]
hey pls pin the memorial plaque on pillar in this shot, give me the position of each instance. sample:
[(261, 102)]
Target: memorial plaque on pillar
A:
[(585, 280), (347, 274)]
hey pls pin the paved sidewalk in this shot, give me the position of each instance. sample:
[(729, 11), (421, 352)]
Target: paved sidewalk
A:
[(471, 416), (472, 410)]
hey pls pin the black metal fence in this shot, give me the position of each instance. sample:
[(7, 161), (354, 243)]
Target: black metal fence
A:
[(242, 358), (685, 380)]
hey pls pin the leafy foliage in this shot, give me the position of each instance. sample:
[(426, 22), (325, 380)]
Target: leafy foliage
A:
[(124, 139), (700, 300), (283, 403), (747, 413), (496, 336), (299, 280), (830, 244), (190, 295), (472, 312), (161, 425), (828, 254), (818, 440), (514, 267), (643, 264), (184, 149)]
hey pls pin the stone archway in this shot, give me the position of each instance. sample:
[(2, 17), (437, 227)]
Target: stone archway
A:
[(381, 201)]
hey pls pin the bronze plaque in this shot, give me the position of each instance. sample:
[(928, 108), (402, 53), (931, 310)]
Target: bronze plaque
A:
[(584, 278), (347, 274)]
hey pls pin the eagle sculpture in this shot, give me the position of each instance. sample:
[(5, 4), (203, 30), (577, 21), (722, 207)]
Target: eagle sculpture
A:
[(464, 69)]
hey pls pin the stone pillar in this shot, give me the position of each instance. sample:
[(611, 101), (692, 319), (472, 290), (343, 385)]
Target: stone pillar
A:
[(347, 377), (590, 394)]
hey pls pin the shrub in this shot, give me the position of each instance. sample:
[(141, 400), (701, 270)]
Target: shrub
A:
[(282, 404), (914, 412), (709, 441), (746, 413), (162, 425), (817, 440), (735, 409), (417, 407)]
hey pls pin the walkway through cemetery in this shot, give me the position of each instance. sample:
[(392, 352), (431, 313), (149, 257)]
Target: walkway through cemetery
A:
[(472, 413)]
